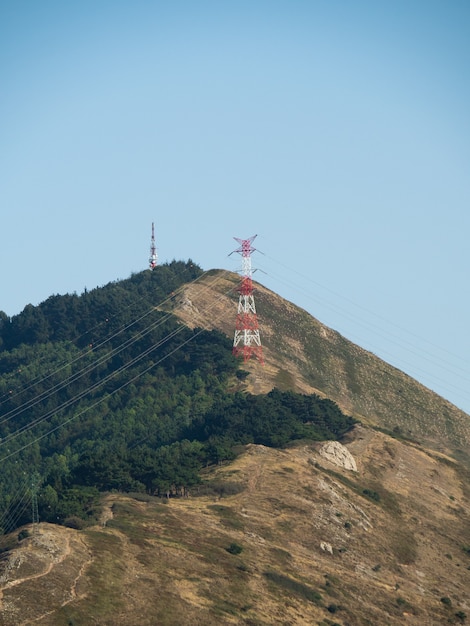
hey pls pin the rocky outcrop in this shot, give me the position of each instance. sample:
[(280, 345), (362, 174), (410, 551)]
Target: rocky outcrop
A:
[(337, 454)]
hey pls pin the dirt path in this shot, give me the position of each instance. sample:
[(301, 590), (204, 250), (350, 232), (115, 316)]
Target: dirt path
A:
[(73, 589), (49, 567), (41, 556)]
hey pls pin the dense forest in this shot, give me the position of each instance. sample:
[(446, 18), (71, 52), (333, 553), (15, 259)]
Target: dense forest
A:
[(108, 391)]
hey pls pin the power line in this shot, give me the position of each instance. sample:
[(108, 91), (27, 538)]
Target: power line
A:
[(100, 360), (81, 395), (380, 330), (67, 363)]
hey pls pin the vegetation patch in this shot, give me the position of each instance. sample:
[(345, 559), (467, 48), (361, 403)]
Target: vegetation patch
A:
[(294, 586), (220, 488), (404, 605), (281, 556), (284, 380), (228, 516), (105, 576), (222, 606), (371, 494), (404, 546), (234, 548)]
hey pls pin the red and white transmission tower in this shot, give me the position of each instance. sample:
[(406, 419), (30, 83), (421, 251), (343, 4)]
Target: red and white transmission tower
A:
[(153, 259), (247, 342)]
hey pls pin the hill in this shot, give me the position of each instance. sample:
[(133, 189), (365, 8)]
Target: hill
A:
[(107, 391), (276, 537), (195, 489), (304, 355)]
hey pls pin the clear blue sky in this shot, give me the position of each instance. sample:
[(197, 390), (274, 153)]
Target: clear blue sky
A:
[(337, 131)]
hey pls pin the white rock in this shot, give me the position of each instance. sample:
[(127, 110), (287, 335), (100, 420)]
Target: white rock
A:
[(326, 547), (336, 453)]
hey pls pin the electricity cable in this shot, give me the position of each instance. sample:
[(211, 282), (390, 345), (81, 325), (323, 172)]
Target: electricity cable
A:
[(366, 310), (96, 385), (11, 516), (90, 367), (89, 389), (103, 342), (359, 306), (95, 404), (79, 374), (378, 330), (397, 340)]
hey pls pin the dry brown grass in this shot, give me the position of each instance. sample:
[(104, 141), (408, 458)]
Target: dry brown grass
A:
[(156, 563)]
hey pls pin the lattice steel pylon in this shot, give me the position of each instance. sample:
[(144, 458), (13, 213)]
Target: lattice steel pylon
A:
[(35, 480), (247, 341)]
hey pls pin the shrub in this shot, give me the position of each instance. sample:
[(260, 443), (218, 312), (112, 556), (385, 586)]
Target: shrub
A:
[(23, 534), (74, 522), (293, 586), (235, 548), (221, 488), (373, 495)]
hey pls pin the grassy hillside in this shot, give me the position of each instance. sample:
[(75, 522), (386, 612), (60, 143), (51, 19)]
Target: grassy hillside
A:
[(276, 537), (303, 354)]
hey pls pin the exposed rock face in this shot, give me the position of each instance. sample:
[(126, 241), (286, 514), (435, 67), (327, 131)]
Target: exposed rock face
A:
[(186, 304), (326, 547), (336, 453)]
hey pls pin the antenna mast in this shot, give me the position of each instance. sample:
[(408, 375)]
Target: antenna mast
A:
[(153, 259), (247, 342)]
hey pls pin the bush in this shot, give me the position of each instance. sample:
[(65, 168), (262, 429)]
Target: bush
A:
[(235, 548), (373, 495), (74, 522), (293, 586), (221, 488), (23, 534)]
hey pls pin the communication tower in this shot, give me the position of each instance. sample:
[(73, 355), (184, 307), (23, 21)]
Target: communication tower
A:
[(246, 342), (153, 259)]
